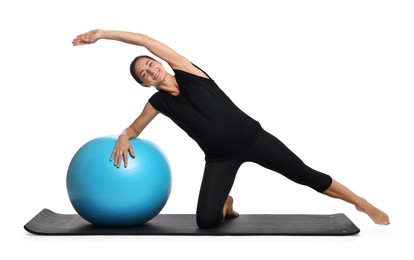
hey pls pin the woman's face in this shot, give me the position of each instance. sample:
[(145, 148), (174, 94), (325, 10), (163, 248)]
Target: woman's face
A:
[(151, 72)]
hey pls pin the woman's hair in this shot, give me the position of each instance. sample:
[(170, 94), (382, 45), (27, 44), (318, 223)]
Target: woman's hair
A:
[(132, 67)]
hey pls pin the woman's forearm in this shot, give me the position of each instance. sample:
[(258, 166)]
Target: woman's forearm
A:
[(126, 37)]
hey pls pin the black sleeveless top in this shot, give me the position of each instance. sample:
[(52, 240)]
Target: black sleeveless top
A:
[(208, 116)]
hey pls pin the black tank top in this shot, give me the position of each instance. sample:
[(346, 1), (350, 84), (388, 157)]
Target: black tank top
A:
[(208, 116)]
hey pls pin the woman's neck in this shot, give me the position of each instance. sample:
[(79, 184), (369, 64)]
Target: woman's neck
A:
[(169, 85)]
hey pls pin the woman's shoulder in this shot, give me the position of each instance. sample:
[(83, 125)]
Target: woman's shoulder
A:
[(191, 70), (159, 99)]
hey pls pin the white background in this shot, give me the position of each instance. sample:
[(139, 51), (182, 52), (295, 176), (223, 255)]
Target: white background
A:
[(331, 79)]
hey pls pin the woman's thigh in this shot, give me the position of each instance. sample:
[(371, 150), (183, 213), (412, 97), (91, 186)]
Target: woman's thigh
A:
[(272, 154)]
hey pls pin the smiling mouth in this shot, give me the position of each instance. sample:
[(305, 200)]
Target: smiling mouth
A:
[(157, 74)]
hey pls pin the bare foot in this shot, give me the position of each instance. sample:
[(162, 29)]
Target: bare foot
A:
[(378, 216), (228, 208)]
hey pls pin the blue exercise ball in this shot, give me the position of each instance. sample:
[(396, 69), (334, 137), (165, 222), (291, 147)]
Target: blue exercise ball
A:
[(109, 196)]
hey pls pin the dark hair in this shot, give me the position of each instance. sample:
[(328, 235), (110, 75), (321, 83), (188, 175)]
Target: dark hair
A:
[(132, 67)]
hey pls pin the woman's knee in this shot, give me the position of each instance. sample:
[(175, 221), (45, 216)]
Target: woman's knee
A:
[(314, 179), (208, 219)]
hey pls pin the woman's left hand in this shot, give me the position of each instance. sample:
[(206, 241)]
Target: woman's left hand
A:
[(87, 38)]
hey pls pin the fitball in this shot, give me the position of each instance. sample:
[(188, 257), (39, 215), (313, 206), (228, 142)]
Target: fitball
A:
[(109, 196)]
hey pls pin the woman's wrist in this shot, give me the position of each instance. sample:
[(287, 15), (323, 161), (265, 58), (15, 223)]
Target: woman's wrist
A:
[(101, 34), (123, 133)]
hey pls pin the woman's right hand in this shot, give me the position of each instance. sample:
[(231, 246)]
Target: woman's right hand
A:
[(122, 148), (87, 38)]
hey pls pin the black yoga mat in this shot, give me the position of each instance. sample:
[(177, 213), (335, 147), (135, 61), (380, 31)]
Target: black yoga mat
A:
[(47, 222)]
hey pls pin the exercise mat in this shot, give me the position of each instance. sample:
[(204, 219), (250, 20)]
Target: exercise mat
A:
[(47, 222)]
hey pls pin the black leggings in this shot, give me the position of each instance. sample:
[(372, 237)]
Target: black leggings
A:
[(268, 152)]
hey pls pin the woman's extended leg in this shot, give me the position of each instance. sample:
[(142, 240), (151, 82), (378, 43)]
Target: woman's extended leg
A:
[(274, 155), (339, 191)]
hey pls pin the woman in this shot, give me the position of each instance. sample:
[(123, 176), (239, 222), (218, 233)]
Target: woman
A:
[(228, 136)]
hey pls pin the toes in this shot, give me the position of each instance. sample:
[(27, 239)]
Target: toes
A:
[(232, 214)]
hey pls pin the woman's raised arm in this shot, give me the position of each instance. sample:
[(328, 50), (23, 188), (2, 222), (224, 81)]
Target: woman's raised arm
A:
[(162, 51)]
